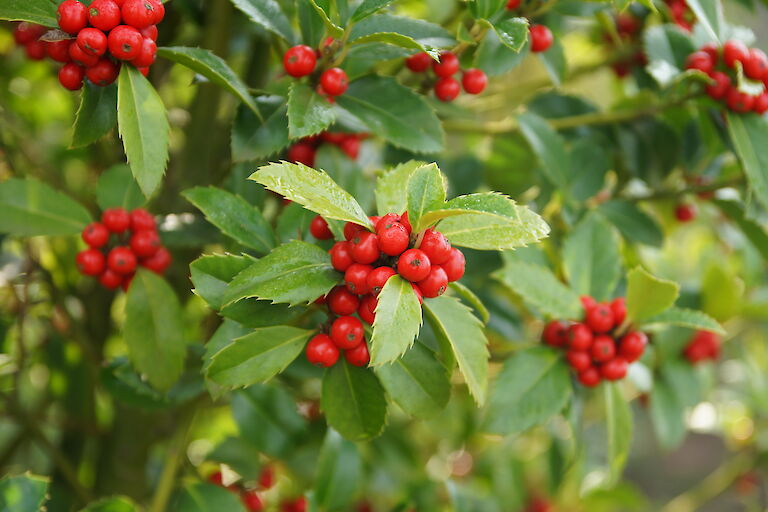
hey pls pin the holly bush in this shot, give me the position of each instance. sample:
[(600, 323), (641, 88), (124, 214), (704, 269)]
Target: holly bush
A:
[(382, 255)]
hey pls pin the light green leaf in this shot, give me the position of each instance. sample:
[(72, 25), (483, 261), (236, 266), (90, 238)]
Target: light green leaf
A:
[(339, 473), (495, 58), (268, 15), (512, 32), (212, 67), (205, 497), (472, 299), (533, 386), (353, 401), (539, 287), (461, 334), (618, 418), (749, 133), (395, 39), (548, 146), (417, 382), (710, 14), (333, 29), (368, 7), (23, 493), (144, 128), (117, 188), (591, 258), (633, 223), (116, 504), (425, 33), (648, 295), (42, 12), (392, 187), (234, 217), (398, 321), (689, 318), (254, 139), (312, 188), (211, 273), (667, 47), (485, 8), (32, 208), (426, 193), (294, 273), (308, 112), (97, 114)]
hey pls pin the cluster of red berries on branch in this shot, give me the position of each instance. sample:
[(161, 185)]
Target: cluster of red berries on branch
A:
[(703, 346), (720, 65), (95, 39), (595, 347), (681, 14), (303, 151), (301, 60), (119, 244), (249, 495), (540, 35), (368, 259), (447, 88), (629, 29)]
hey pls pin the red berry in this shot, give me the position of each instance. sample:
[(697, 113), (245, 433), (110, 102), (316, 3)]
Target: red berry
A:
[(26, 32), (251, 501), (159, 9), (701, 61), (387, 220), (579, 337), (351, 229), (633, 345), (121, 260), (393, 238), (347, 332), (578, 360), (145, 243), (319, 229), (541, 38), (739, 101), (301, 153), (365, 247), (755, 64), (474, 81), (297, 505), (138, 13), (356, 278), (627, 24), (351, 147), (299, 61), (334, 81), (144, 71), (720, 87), (103, 73), (341, 301), (367, 309), (447, 66), (589, 377), (341, 256), (36, 50), (603, 348), (405, 222), (685, 212), (734, 51), (141, 219), (90, 262), (435, 283), (358, 356), (92, 41), (95, 235), (321, 351), (455, 265), (147, 54), (600, 318), (71, 76), (72, 16), (419, 62), (124, 42), (555, 333), (267, 477), (104, 14), (587, 302), (513, 4), (760, 105), (713, 50), (447, 89), (78, 56), (110, 280), (619, 308), (414, 265), (436, 246), (159, 261), (150, 32), (614, 369), (418, 293), (116, 220), (59, 50), (378, 278)]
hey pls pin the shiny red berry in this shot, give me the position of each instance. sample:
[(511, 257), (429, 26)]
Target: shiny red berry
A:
[(319, 229), (341, 256), (356, 278), (738, 101), (138, 13), (587, 302), (141, 219), (393, 238), (36, 50), (110, 280), (90, 262), (555, 333), (71, 76), (414, 265), (26, 32), (619, 308), (734, 51), (159, 261), (755, 64), (435, 283), (351, 147), (418, 293), (358, 356), (334, 81), (159, 9), (104, 14), (299, 61), (436, 246), (760, 105), (418, 63), (351, 229), (251, 501), (321, 351), (124, 42), (447, 89), (59, 50), (103, 73), (579, 337), (701, 61), (600, 318), (615, 369), (92, 41), (474, 81), (365, 247), (367, 309), (378, 278), (121, 260), (541, 38), (149, 32), (447, 66), (603, 348), (96, 235), (720, 86), (632, 345), (116, 220), (72, 16), (512, 4), (455, 265), (578, 360), (405, 222), (347, 332), (78, 56), (341, 301), (301, 153), (147, 54), (685, 212), (589, 377), (145, 243)]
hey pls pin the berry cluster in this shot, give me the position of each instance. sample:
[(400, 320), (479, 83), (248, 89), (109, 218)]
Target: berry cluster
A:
[(301, 60), (368, 259), (703, 345), (118, 244), (720, 65), (593, 347), (446, 87), (681, 14), (248, 496), (629, 28), (304, 150), (95, 39)]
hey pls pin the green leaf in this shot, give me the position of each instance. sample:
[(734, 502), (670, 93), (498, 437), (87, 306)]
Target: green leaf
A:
[(339, 473), (554, 62), (205, 497), (312, 188), (117, 504), (533, 386), (23, 493), (395, 39), (667, 414), (392, 187), (423, 32), (495, 58), (749, 133), (417, 382), (689, 318), (472, 299), (398, 321), (353, 401), (234, 217), (618, 418), (212, 67), (257, 357), (426, 193), (254, 139), (485, 8), (541, 289), (97, 114), (667, 47), (591, 258), (461, 334), (211, 273), (633, 223), (394, 112), (548, 146), (368, 7), (294, 273), (42, 12), (710, 14), (154, 329), (32, 208), (648, 295), (144, 128), (512, 32), (117, 189), (333, 29), (308, 112), (268, 15), (239, 455)]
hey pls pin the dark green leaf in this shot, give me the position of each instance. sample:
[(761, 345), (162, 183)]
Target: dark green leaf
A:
[(591, 258), (423, 32), (97, 114), (751, 229), (495, 58), (211, 273), (339, 473), (308, 112), (353, 401), (512, 32), (667, 414), (42, 12), (368, 7), (485, 8), (205, 497), (118, 189), (253, 139), (749, 133), (23, 493), (32, 208), (398, 321), (395, 39), (539, 287), (667, 47), (548, 146), (633, 223), (268, 15)]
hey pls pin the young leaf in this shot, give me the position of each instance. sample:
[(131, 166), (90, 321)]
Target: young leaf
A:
[(619, 425), (339, 473), (710, 14), (212, 67), (548, 146), (398, 321), (97, 114), (293, 273), (426, 193), (689, 318), (461, 333), (268, 15), (353, 401), (512, 32), (205, 497), (591, 258), (234, 217), (417, 382), (257, 357), (473, 300), (116, 504), (308, 112), (23, 493), (144, 128), (749, 133), (154, 329), (634, 224), (32, 208), (392, 187), (648, 295), (533, 386), (395, 113), (117, 189), (254, 139), (539, 287), (312, 188), (42, 12), (667, 414), (211, 273), (368, 7)]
